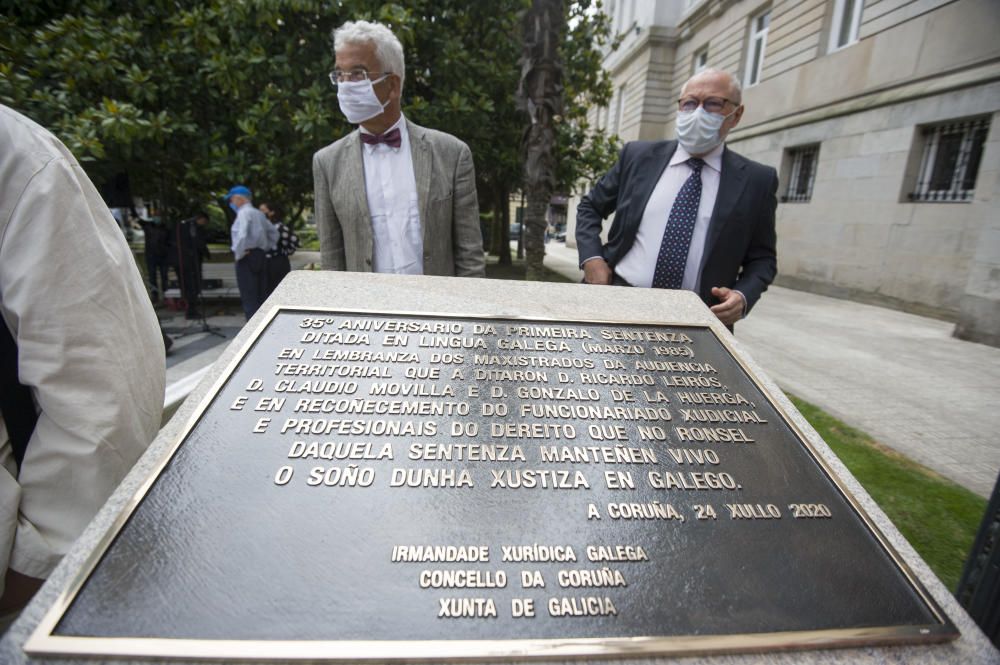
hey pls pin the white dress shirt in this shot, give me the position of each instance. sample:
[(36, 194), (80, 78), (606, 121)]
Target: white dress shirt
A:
[(637, 266), (391, 188)]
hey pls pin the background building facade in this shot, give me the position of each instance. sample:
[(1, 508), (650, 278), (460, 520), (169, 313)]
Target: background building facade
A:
[(881, 117)]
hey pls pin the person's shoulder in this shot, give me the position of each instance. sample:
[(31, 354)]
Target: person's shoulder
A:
[(435, 137), (334, 148), (650, 145), (635, 148), (248, 212), (28, 145), (753, 167)]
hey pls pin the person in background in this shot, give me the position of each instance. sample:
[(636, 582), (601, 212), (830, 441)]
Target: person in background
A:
[(253, 237), (157, 255), (392, 197), (81, 357), (278, 264), (689, 214), (189, 248)]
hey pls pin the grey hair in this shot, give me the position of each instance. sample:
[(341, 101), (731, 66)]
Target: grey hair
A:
[(388, 49), (734, 81)]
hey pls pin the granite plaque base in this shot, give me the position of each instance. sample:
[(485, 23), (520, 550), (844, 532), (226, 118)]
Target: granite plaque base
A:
[(408, 483), (376, 485)]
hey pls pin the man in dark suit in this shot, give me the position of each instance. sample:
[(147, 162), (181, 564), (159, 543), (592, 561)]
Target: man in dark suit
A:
[(391, 197), (689, 213)]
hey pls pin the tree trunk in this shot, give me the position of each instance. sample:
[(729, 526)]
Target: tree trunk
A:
[(503, 221), (294, 220), (540, 95)]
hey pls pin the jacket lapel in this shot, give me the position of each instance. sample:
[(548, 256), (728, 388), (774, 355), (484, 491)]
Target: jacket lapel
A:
[(359, 243), (422, 166), (731, 184), (355, 177), (648, 171)]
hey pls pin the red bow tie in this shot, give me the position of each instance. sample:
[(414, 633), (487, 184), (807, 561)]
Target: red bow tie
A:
[(390, 138)]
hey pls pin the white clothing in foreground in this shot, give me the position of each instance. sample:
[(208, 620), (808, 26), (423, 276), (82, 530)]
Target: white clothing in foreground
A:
[(89, 348)]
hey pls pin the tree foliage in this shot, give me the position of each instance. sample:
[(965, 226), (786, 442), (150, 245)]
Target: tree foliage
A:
[(186, 97), (585, 152), (189, 97), (561, 78), (462, 78)]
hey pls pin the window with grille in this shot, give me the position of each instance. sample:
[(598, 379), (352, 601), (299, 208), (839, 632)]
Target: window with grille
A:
[(755, 49), (802, 173), (950, 162)]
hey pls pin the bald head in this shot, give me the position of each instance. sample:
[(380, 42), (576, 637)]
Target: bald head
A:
[(722, 83)]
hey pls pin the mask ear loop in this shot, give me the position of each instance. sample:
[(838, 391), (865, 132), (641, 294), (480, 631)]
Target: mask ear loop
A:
[(728, 116), (379, 80)]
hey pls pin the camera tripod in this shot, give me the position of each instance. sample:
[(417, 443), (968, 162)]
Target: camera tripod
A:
[(195, 328)]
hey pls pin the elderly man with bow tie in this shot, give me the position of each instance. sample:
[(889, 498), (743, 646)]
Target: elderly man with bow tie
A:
[(392, 196)]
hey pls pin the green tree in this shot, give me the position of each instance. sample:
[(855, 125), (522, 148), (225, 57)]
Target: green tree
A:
[(461, 78), (540, 96), (562, 78), (186, 97), (189, 96), (585, 152)]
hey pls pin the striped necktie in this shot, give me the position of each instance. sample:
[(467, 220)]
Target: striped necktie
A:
[(672, 259)]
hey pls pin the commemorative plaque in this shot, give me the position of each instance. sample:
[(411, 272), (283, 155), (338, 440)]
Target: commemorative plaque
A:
[(372, 485)]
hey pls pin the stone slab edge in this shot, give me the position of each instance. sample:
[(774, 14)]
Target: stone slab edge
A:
[(509, 299)]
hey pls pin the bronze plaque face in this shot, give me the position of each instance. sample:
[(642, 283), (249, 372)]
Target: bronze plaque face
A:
[(368, 485)]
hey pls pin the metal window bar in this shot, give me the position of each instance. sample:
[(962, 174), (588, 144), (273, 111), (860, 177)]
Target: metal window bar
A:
[(800, 182), (950, 163)]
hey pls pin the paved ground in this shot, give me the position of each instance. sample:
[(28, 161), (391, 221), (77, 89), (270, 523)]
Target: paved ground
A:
[(194, 348), (901, 378)]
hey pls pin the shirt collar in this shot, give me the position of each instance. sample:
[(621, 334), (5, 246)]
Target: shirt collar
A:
[(712, 159), (403, 135)]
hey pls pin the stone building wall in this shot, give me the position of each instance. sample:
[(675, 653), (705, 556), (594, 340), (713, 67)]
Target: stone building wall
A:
[(919, 76)]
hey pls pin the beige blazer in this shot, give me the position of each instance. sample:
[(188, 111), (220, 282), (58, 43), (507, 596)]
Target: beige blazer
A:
[(446, 193)]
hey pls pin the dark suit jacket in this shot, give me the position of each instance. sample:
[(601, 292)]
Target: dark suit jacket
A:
[(446, 192), (740, 246)]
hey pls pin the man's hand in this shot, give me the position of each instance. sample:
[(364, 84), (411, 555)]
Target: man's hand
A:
[(731, 306), (596, 271)]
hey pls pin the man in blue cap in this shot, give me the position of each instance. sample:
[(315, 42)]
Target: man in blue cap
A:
[(253, 236)]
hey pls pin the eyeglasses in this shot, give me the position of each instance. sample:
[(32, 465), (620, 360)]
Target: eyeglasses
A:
[(355, 75), (710, 104)]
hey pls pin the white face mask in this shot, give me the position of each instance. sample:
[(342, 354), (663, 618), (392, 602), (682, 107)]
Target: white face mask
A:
[(358, 101), (698, 130)]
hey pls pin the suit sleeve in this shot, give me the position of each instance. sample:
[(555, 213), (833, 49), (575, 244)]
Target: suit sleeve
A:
[(467, 236), (594, 207), (331, 235), (760, 263)]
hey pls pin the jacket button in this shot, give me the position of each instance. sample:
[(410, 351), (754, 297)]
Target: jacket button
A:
[(368, 262)]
